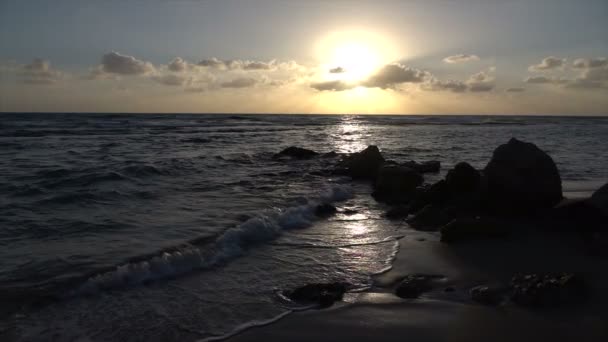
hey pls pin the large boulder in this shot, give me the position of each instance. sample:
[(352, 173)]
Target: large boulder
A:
[(521, 179), (472, 228), (463, 178), (599, 199), (363, 164), (296, 153), (395, 184), (323, 294)]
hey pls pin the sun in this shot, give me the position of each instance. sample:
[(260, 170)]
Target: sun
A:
[(353, 55)]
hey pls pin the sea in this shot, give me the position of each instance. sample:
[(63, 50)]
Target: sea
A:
[(183, 227)]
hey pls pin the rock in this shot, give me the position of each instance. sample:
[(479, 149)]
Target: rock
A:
[(331, 154), (296, 152), (436, 194), (325, 210), (462, 178), (395, 183), (426, 167), (487, 295), (364, 164), (412, 286), (430, 217), (521, 179), (599, 199), (323, 294), (574, 215), (398, 212), (472, 228), (549, 289)]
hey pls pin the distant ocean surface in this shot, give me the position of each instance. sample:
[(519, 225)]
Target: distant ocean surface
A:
[(182, 227)]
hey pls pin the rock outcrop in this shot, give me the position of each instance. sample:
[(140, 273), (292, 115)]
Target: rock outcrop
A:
[(394, 184)]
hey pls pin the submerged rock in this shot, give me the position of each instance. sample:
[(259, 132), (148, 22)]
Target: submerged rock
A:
[(296, 152), (325, 210), (521, 179), (323, 294), (413, 285), (472, 228), (549, 289), (364, 164), (395, 184)]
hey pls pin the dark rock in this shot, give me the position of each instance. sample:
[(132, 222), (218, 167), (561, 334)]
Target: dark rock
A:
[(574, 215), (398, 212), (323, 294), (364, 164), (436, 194), (488, 295), (472, 228), (325, 210), (599, 199), (430, 218), (449, 289), (395, 184), (549, 289), (296, 152), (431, 166), (462, 178), (521, 179), (331, 154), (412, 286)]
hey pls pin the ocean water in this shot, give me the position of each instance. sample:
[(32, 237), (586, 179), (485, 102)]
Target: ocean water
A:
[(182, 227)]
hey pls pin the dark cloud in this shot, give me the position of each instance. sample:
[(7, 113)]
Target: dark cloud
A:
[(337, 70), (461, 58), (394, 74), (243, 82), (548, 63), (545, 80), (236, 64), (515, 90), (39, 71), (589, 63), (332, 86), (451, 85), (115, 63)]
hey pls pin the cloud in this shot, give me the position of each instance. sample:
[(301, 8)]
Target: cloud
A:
[(243, 82), (172, 80), (589, 63), (480, 82), (337, 70), (237, 64), (115, 63), (548, 63), (581, 83), (515, 90), (177, 64), (392, 75), (545, 80), (39, 71), (460, 58), (596, 74), (332, 86), (451, 85)]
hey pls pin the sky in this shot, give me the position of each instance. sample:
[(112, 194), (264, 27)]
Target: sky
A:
[(544, 57)]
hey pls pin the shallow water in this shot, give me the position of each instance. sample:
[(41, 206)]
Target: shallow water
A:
[(155, 227)]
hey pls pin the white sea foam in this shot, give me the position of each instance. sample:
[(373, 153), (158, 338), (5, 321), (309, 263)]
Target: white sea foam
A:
[(231, 244)]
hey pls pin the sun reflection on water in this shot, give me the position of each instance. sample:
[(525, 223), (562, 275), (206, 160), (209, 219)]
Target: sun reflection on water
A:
[(350, 135)]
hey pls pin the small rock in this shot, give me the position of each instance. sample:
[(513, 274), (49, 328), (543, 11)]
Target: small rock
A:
[(548, 289), (323, 294), (325, 210), (413, 285), (487, 295), (472, 228), (296, 152)]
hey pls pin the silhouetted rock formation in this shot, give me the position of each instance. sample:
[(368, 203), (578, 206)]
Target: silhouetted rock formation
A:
[(364, 164), (296, 152), (463, 178), (521, 179), (394, 184), (599, 199), (472, 228), (426, 167)]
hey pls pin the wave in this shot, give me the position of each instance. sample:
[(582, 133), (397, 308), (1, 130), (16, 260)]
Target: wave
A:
[(229, 245)]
